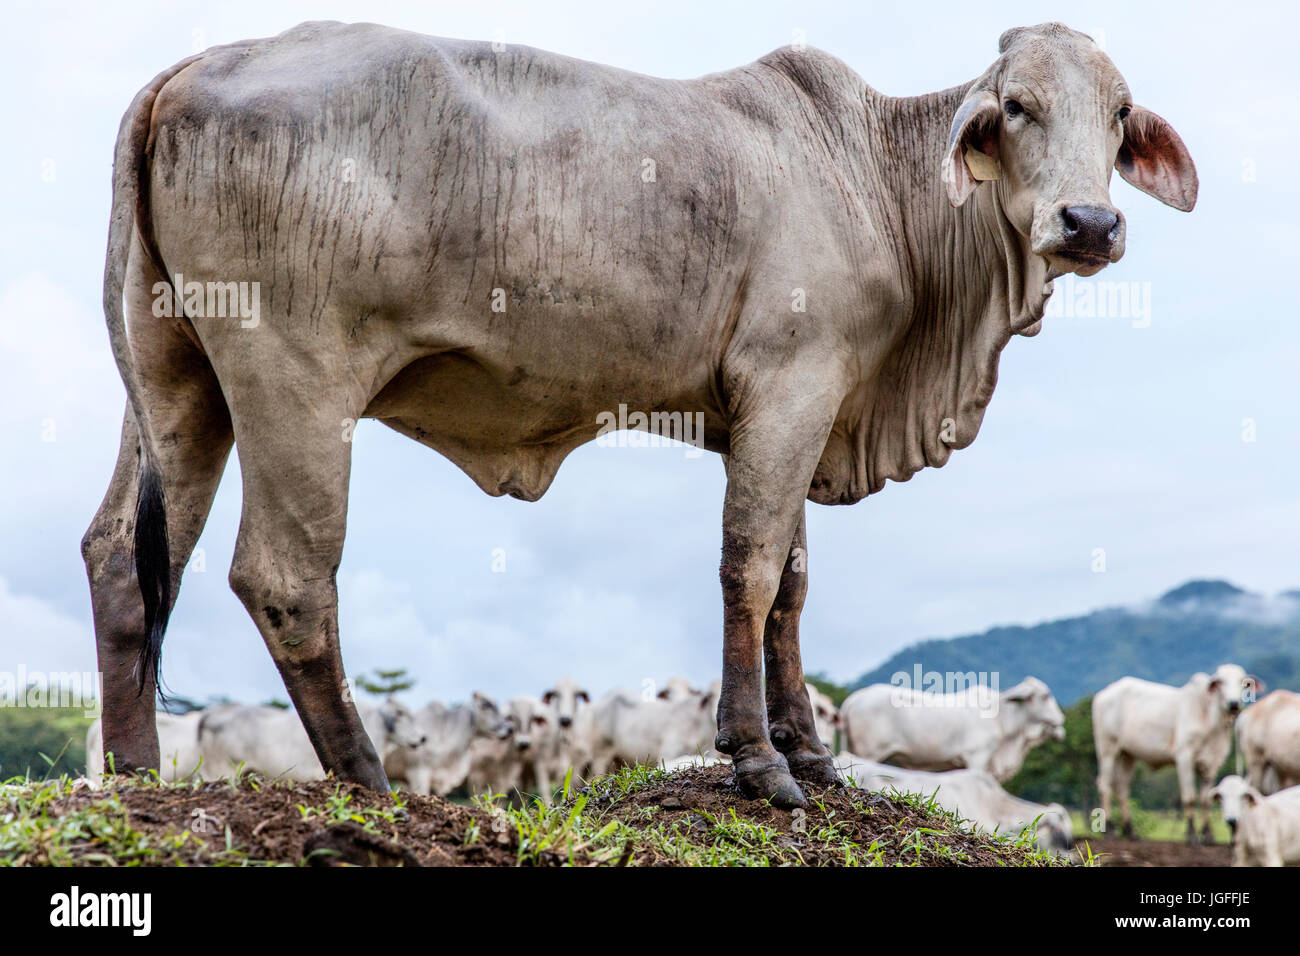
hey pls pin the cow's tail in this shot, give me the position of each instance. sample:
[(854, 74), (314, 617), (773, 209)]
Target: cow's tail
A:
[(130, 209)]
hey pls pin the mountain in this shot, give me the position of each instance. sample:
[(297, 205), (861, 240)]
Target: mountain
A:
[(1194, 627)]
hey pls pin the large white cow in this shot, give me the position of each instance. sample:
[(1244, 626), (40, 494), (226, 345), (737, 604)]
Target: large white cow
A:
[(976, 728), (271, 740), (178, 742), (972, 795), (629, 730), (1266, 830), (441, 762), (1268, 739), (1189, 727)]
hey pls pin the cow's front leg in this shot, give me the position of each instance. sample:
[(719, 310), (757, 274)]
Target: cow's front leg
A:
[(774, 452), (792, 729)]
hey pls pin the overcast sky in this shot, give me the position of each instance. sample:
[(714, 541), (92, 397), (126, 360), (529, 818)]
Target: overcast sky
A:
[(1100, 435)]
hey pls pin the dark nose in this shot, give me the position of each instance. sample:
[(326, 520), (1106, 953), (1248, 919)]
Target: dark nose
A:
[(565, 721), (1090, 229), (1234, 706)]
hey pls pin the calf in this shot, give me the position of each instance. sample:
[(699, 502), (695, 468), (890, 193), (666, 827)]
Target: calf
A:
[(1266, 830)]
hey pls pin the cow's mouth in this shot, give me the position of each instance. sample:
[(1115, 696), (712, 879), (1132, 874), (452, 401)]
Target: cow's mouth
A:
[(1061, 261)]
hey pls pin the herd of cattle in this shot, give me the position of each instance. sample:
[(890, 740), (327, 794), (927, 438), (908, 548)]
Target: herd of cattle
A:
[(956, 748)]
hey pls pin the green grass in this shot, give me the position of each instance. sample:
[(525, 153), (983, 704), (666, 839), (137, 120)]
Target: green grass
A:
[(97, 833)]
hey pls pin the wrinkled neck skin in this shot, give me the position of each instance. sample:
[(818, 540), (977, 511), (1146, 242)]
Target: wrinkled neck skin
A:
[(968, 261)]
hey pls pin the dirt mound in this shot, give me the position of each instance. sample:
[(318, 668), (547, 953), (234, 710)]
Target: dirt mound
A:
[(840, 827), (639, 816)]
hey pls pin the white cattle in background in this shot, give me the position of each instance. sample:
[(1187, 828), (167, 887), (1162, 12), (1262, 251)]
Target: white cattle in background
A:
[(976, 728), (523, 760), (271, 740), (1268, 741), (570, 704), (178, 747), (826, 716), (1266, 830), (1190, 727), (972, 795), (630, 730), (441, 762)]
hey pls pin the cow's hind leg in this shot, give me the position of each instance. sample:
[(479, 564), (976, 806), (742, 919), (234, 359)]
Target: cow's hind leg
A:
[(792, 729), (295, 457), (192, 429)]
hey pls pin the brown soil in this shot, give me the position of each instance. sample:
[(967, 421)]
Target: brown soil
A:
[(1116, 852), (261, 822), (266, 825)]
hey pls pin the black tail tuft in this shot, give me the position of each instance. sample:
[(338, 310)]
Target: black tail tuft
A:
[(153, 570)]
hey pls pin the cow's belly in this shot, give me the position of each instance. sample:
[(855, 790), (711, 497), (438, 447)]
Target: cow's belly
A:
[(510, 427)]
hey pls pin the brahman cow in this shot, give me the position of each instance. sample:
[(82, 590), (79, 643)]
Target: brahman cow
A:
[(977, 728), (972, 795), (271, 740), (1268, 741), (1265, 830), (441, 762), (1189, 727), (490, 248)]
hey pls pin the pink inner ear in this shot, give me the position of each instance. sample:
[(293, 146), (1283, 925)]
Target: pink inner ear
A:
[(1154, 159)]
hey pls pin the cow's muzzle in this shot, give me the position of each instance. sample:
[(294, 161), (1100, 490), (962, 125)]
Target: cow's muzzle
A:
[(1083, 238), (566, 721)]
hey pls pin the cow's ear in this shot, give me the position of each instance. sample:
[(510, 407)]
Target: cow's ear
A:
[(548, 697), (1153, 159), (1257, 686), (972, 155), (583, 696), (663, 694)]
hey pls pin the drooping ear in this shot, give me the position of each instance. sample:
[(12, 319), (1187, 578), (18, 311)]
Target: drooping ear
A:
[(1153, 159), (972, 155), (1257, 686), (583, 696)]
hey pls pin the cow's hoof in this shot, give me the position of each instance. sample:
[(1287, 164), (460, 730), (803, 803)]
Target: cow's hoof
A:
[(770, 782), (817, 770)]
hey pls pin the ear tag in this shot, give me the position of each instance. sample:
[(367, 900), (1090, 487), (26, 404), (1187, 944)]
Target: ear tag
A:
[(983, 166)]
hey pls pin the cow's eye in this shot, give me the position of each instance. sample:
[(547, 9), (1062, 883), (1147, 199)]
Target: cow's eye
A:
[(1013, 108), (1123, 113)]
